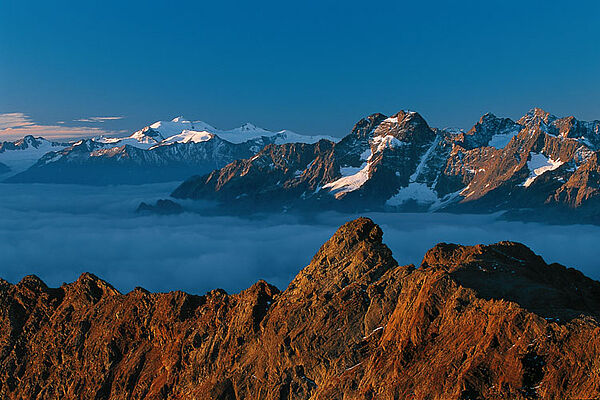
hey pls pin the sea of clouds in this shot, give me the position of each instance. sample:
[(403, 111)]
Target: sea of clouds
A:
[(59, 231)]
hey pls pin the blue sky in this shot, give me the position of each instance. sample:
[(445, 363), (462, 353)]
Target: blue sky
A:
[(311, 66)]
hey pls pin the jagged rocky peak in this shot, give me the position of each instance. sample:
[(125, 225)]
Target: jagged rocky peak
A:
[(260, 289), (452, 256), (492, 123), (32, 283), (247, 126), (587, 132), (407, 117), (535, 116), (352, 146), (406, 126), (565, 127), (491, 131), (488, 118), (90, 288), (360, 232), (30, 141), (570, 127), (511, 271), (354, 253), (365, 126)]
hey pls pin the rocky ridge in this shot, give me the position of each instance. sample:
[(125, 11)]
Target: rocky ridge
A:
[(472, 322), (401, 163)]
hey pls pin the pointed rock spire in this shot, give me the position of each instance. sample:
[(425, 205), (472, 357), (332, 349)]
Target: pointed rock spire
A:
[(354, 253)]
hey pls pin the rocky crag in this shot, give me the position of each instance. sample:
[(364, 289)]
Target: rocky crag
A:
[(471, 322)]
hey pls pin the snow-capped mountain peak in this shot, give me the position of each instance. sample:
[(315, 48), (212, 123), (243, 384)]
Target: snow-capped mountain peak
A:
[(188, 136), (19, 155), (249, 127), (536, 115), (29, 140)]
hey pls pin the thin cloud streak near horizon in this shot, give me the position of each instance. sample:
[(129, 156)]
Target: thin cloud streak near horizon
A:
[(99, 119), (14, 126)]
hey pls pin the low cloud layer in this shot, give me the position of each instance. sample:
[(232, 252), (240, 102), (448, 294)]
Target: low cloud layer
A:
[(14, 126), (60, 231)]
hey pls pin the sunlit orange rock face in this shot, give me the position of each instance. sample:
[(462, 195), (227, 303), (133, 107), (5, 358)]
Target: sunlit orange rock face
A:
[(471, 322), (400, 163)]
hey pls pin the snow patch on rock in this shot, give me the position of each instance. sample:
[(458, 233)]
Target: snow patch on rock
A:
[(188, 136), (349, 183), (419, 192), (499, 141), (424, 158), (383, 142), (539, 164)]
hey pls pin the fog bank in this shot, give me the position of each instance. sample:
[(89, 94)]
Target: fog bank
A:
[(59, 231)]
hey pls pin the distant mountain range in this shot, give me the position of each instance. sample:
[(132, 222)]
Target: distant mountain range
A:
[(389, 163), (163, 151), (400, 163)]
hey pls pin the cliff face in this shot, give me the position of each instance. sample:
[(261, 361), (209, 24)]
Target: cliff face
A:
[(477, 322)]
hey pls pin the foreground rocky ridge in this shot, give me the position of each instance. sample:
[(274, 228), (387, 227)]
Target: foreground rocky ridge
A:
[(401, 163), (472, 322)]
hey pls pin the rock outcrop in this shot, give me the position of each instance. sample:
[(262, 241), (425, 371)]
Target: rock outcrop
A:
[(472, 322), (161, 207)]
